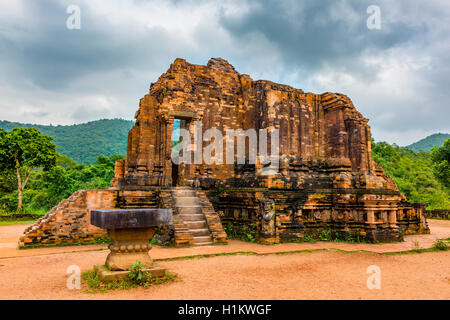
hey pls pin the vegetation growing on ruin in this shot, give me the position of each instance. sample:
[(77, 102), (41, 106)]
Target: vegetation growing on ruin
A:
[(243, 232)]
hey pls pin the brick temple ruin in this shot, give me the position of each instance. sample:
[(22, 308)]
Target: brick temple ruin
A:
[(327, 179)]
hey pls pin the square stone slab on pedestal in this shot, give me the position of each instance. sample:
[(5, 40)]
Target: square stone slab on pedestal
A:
[(107, 275)]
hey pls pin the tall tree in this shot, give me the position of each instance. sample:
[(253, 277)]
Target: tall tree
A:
[(25, 150), (441, 162)]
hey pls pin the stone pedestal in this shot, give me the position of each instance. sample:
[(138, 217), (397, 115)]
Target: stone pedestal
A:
[(131, 231), (129, 246)]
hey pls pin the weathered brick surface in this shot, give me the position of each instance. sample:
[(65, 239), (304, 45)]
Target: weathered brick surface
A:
[(327, 180), (69, 221), (218, 235)]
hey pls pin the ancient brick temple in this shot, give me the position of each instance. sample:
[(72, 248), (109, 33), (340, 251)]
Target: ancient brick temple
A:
[(327, 182)]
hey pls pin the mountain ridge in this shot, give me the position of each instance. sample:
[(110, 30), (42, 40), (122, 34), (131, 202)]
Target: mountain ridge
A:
[(84, 142), (427, 143)]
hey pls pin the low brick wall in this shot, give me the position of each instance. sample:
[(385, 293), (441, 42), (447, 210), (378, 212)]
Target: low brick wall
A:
[(69, 221), (215, 227)]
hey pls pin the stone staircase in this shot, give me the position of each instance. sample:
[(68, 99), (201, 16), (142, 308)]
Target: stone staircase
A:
[(194, 220), (189, 209), (137, 199)]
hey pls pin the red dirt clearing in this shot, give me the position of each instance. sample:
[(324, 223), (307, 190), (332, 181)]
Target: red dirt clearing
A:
[(41, 273)]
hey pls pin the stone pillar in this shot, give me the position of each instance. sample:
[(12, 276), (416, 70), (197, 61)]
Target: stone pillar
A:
[(385, 217), (167, 152), (393, 219), (189, 171), (370, 216), (131, 231)]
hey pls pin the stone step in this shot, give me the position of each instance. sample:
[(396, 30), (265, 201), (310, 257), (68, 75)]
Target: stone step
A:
[(140, 204), (200, 244), (186, 201), (200, 232), (138, 201), (192, 217), (134, 206), (202, 239), (184, 193), (189, 209), (196, 224)]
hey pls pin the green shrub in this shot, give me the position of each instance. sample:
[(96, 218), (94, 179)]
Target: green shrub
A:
[(325, 235), (242, 232), (440, 245), (137, 277)]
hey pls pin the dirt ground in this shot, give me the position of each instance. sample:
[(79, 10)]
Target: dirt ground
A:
[(328, 274)]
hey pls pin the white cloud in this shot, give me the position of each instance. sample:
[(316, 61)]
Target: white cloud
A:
[(398, 77)]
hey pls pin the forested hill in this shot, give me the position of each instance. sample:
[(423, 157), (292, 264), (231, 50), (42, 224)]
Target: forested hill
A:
[(429, 142), (84, 142), (413, 173)]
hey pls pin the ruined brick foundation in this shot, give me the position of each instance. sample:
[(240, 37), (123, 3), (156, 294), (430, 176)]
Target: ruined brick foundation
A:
[(327, 178)]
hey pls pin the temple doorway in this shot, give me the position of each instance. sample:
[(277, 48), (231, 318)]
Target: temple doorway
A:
[(177, 168)]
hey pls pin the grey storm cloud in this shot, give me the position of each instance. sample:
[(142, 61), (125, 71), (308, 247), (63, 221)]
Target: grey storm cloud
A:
[(311, 33), (53, 56), (398, 76)]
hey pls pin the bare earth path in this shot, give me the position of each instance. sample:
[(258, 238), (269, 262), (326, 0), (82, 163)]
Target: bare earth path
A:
[(329, 274)]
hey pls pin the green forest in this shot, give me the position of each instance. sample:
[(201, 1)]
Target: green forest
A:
[(84, 142), (422, 176), (43, 176), (45, 189)]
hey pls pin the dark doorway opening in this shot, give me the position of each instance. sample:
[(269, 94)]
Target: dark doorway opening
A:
[(175, 174), (176, 169)]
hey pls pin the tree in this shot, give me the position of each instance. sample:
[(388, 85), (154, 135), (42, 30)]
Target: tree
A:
[(414, 174), (25, 150), (441, 162)]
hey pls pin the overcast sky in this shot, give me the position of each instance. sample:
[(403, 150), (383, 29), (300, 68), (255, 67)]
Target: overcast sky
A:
[(398, 76)]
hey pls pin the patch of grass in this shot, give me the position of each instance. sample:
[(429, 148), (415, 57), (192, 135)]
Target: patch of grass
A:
[(209, 255), (137, 278), (308, 238), (325, 235), (168, 244), (416, 246), (282, 253), (244, 232), (351, 251), (330, 236), (440, 245), (100, 240), (10, 222), (250, 253), (412, 251)]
